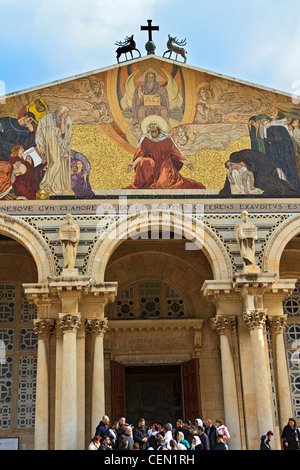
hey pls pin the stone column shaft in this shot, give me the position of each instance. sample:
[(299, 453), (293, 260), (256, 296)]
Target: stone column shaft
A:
[(69, 324), (224, 325), (256, 321), (42, 329), (277, 325), (98, 329)]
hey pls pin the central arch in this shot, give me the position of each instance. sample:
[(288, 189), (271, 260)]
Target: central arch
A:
[(129, 226)]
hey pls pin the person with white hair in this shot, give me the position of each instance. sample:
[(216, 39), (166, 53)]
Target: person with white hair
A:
[(53, 140)]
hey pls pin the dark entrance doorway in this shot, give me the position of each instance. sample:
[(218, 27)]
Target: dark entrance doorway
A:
[(156, 392)]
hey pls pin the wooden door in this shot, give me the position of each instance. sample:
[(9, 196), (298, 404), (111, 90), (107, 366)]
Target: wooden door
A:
[(191, 390), (118, 389)]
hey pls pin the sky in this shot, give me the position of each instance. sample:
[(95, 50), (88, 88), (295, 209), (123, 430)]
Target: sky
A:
[(42, 41)]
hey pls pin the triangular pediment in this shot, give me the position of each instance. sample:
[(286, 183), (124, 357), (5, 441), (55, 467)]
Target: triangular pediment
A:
[(208, 116)]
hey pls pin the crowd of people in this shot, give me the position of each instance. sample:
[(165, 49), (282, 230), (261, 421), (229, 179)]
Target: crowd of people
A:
[(185, 435)]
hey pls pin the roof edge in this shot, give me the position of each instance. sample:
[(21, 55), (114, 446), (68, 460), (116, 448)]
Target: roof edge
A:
[(140, 59)]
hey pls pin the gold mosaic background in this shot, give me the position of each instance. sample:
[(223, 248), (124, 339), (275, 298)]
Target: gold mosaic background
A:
[(109, 161)]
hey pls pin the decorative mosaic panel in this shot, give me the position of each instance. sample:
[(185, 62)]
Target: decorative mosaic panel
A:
[(26, 391), (291, 305), (7, 303), (17, 370), (28, 311), (6, 377), (292, 333), (293, 357)]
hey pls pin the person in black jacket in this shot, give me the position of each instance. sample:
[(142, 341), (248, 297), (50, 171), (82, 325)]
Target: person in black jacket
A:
[(112, 433), (203, 438), (265, 441), (140, 434), (291, 436), (211, 431), (105, 444)]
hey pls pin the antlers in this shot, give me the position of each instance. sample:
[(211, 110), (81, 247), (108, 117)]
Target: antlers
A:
[(180, 43), (124, 43)]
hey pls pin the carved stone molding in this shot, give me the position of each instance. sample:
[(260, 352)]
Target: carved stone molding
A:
[(277, 323), (69, 322), (255, 318), (223, 324), (43, 328), (97, 327)]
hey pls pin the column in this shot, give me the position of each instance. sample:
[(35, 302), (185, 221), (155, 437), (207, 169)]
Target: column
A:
[(98, 329), (224, 325), (42, 329), (69, 324), (277, 328), (256, 320)]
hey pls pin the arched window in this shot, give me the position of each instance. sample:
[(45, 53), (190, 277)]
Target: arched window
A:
[(150, 299), (18, 349)]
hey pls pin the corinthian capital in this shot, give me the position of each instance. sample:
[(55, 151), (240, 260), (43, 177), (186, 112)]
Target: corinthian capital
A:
[(96, 326), (255, 318), (223, 323), (69, 321), (43, 327), (277, 323)]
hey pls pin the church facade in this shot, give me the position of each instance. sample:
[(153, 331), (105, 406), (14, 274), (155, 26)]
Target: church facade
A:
[(150, 249)]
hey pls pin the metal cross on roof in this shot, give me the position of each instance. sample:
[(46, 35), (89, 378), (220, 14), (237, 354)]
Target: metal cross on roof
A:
[(150, 46)]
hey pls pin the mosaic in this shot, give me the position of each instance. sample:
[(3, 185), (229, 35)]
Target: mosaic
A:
[(150, 124)]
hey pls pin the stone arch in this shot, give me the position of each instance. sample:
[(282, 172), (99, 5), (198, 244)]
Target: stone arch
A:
[(277, 243), (32, 241), (126, 228)]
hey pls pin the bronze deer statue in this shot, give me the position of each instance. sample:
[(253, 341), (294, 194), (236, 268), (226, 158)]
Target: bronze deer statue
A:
[(128, 45), (174, 45)]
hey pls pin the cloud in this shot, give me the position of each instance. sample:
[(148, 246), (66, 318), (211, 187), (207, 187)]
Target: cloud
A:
[(85, 31)]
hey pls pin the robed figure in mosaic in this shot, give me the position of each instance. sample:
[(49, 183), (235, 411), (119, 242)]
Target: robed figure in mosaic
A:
[(53, 139), (157, 162)]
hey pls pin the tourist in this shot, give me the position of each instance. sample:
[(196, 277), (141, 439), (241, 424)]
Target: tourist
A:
[(179, 427), (181, 440), (204, 439), (221, 445), (140, 434), (196, 444), (95, 443), (265, 441), (102, 426), (173, 445), (211, 432), (112, 433), (167, 435), (105, 444), (291, 436), (221, 429), (127, 436)]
